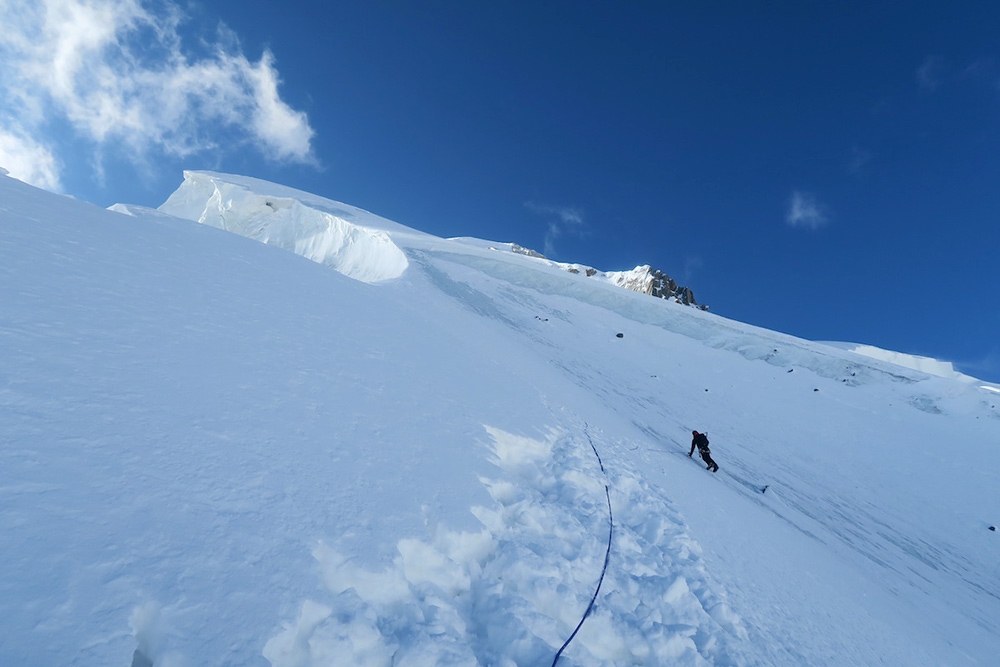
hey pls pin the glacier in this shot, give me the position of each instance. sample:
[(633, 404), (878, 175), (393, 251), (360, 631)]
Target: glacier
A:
[(345, 441)]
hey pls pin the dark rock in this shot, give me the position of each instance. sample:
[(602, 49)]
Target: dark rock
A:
[(647, 280)]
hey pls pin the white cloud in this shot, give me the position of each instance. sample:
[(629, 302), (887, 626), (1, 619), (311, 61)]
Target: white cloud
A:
[(805, 211), (117, 72), (691, 266), (561, 220), (28, 161), (280, 127)]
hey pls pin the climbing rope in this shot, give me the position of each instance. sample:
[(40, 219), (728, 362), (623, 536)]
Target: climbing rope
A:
[(607, 554)]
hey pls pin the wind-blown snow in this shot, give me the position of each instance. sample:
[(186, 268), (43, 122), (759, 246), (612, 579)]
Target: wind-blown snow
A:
[(215, 452)]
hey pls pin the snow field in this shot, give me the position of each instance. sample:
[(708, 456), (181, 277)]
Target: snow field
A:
[(218, 453)]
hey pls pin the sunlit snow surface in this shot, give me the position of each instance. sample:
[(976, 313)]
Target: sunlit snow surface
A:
[(215, 452)]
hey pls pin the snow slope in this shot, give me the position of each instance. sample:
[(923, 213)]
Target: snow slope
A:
[(215, 452)]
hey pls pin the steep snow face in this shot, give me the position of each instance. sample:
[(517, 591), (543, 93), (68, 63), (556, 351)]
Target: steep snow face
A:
[(219, 454), (359, 252)]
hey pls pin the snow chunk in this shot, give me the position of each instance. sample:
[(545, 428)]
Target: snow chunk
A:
[(125, 209), (359, 252)]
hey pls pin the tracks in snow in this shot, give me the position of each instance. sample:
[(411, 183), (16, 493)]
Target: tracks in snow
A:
[(511, 593)]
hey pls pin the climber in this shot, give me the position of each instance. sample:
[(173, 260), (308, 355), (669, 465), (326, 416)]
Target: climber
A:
[(700, 440)]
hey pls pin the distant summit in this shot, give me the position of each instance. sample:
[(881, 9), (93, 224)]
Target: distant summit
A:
[(643, 279), (647, 280)]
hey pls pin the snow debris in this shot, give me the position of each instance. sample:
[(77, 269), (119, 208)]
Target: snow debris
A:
[(511, 593)]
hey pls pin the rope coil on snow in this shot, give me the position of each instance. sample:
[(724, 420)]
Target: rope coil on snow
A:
[(607, 555)]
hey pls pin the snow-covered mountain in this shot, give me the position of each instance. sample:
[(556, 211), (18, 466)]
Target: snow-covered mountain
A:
[(347, 239), (449, 452)]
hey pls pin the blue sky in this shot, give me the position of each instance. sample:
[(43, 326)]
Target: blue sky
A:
[(829, 170)]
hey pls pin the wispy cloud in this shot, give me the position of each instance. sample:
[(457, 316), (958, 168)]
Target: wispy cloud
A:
[(117, 72), (985, 367), (692, 264), (561, 220), (859, 160), (805, 211), (930, 72)]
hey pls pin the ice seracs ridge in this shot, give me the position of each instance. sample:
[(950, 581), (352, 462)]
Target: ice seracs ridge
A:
[(359, 252), (351, 241)]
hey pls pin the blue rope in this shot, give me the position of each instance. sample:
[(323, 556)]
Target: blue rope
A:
[(597, 455), (607, 557)]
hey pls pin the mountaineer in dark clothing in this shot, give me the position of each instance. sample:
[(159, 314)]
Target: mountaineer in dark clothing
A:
[(700, 440)]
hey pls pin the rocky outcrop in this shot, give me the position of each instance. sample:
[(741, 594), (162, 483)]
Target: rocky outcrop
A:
[(647, 280), (644, 279)]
